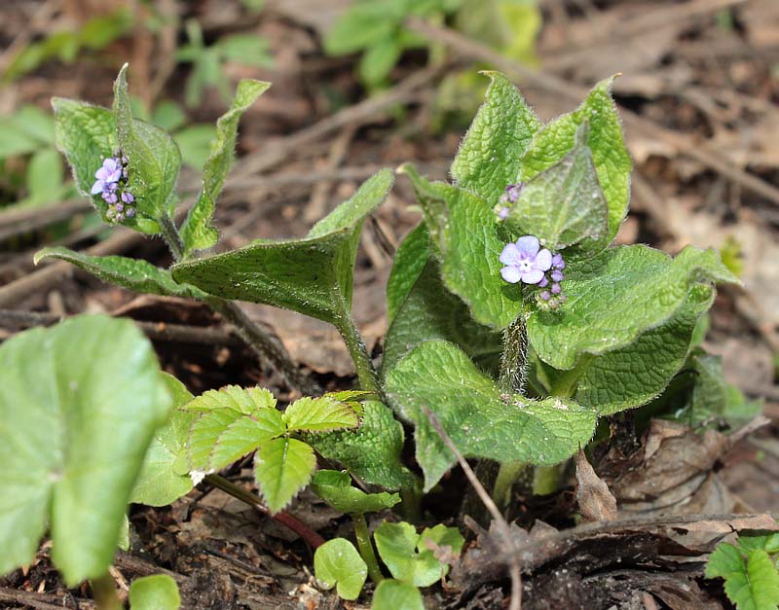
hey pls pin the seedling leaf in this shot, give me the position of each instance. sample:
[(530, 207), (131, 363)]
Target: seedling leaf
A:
[(337, 563), (156, 592), (393, 594)]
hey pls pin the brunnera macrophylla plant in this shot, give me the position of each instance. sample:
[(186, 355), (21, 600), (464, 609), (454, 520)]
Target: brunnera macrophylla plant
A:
[(513, 318)]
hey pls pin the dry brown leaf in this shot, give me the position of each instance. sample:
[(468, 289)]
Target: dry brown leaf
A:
[(596, 502)]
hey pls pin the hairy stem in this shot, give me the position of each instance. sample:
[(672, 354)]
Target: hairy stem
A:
[(263, 345), (171, 236), (366, 548), (104, 592), (313, 539), (513, 362), (366, 372)]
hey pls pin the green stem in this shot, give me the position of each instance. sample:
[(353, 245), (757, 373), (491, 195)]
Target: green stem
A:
[(104, 592), (263, 344), (313, 539), (366, 372), (565, 385), (366, 547), (171, 236)]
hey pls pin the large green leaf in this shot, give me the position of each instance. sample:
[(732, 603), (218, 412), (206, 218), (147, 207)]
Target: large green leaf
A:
[(635, 374), (618, 295), (282, 467), (230, 423), (563, 205), (313, 276), (197, 232), (87, 135), (464, 237), (154, 158), (490, 154), (79, 404), (134, 274), (409, 262), (372, 452), (612, 161), (155, 592), (164, 476), (482, 420), (429, 312)]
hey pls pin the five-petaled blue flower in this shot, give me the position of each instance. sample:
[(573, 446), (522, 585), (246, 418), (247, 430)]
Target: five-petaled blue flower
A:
[(525, 261), (110, 173)]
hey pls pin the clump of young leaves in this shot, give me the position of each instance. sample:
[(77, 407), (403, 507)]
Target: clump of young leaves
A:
[(750, 570)]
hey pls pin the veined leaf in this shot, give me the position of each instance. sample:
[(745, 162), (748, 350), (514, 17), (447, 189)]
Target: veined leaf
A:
[(336, 489), (229, 424), (322, 414), (337, 563), (481, 420), (73, 439), (134, 274), (282, 467), (197, 232)]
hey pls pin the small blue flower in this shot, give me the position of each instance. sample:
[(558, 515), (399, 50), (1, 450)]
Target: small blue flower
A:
[(525, 261), (109, 173)]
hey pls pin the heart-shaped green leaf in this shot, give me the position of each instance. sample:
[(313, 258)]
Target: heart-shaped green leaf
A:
[(464, 237), (337, 562), (131, 273), (610, 156), (563, 205), (197, 232), (154, 158), (490, 154), (230, 423), (617, 296), (73, 439), (164, 476), (336, 489), (481, 420), (635, 374), (282, 467), (313, 276), (429, 312)]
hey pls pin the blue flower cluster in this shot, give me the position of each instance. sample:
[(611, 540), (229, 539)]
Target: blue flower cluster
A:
[(111, 183), (527, 262), (509, 196)]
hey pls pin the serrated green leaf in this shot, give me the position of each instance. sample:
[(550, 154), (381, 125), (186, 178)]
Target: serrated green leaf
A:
[(635, 374), (430, 312), (322, 414), (313, 276), (612, 161), (73, 439), (197, 231), (163, 477), (230, 423), (564, 205), (751, 581), (464, 236), (372, 452), (407, 554), (768, 543), (155, 592), (490, 154), (616, 296), (337, 562), (131, 273), (480, 419), (336, 489), (393, 594), (282, 467), (154, 158), (409, 262)]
